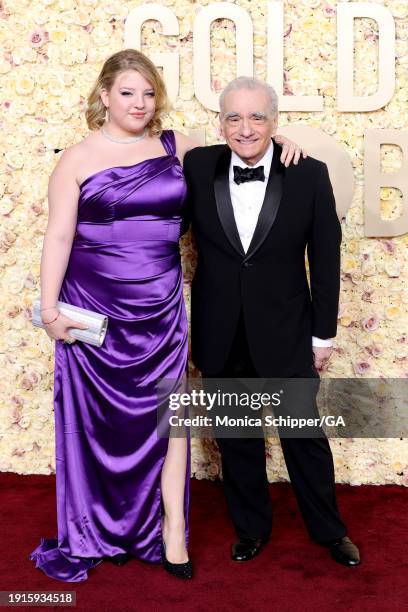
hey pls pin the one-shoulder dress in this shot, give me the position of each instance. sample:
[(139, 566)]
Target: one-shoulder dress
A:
[(125, 263)]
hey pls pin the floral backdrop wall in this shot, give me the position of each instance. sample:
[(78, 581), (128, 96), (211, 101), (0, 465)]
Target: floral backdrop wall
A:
[(51, 52)]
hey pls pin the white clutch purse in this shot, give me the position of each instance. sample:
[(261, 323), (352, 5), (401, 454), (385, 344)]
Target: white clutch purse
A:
[(97, 323)]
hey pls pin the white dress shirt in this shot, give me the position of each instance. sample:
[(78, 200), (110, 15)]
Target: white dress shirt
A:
[(247, 199)]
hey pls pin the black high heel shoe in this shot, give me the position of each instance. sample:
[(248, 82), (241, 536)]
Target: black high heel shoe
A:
[(119, 559), (180, 570)]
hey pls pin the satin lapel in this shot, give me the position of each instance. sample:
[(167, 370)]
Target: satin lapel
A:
[(223, 201), (271, 203)]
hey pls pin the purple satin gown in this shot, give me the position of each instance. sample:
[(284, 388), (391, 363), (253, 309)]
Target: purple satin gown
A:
[(125, 263)]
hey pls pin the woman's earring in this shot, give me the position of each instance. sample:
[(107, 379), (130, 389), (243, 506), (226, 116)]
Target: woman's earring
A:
[(106, 113)]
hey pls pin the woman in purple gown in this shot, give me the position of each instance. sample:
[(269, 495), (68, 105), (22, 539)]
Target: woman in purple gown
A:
[(111, 246)]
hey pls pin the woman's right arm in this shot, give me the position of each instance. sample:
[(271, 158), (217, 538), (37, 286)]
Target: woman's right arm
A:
[(63, 194)]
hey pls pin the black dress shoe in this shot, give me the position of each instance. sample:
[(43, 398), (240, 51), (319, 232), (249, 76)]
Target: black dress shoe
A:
[(179, 570), (246, 549), (120, 559), (344, 551)]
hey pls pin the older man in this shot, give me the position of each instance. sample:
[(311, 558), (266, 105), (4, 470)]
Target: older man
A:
[(252, 313)]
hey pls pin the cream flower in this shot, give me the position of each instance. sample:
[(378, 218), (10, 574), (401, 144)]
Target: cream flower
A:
[(392, 312), (393, 268), (5, 66), (15, 159), (57, 36), (6, 206), (41, 17), (24, 84)]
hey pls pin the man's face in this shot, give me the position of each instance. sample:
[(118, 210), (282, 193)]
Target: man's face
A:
[(248, 124)]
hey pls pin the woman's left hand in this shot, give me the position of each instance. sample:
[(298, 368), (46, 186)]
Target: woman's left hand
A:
[(291, 152)]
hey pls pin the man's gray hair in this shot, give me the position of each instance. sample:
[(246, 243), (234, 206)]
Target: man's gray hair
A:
[(244, 82)]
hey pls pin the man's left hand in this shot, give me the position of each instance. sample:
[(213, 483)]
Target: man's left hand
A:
[(321, 357), (291, 152)]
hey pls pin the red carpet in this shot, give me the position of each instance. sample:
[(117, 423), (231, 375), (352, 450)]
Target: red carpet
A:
[(291, 574)]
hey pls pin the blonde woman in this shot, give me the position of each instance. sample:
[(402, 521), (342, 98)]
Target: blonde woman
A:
[(111, 246)]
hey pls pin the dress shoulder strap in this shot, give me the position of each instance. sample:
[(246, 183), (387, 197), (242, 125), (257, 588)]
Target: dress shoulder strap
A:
[(169, 142)]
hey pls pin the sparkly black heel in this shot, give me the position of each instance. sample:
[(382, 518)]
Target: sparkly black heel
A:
[(180, 570)]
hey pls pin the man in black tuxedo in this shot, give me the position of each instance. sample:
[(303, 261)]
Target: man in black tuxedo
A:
[(252, 312)]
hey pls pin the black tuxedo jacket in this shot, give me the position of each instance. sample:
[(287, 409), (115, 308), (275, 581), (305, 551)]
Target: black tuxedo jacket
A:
[(269, 282)]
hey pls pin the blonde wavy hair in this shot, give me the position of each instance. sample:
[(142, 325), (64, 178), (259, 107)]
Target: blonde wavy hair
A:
[(128, 59)]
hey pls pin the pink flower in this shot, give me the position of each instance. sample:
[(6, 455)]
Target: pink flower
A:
[(29, 381), (16, 414), (287, 88), (361, 367), (13, 311), (370, 323), (38, 38), (37, 208), (375, 349), (30, 281), (26, 383), (373, 36), (388, 246), (216, 84)]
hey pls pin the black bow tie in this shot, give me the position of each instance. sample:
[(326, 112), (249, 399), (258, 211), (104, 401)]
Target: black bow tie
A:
[(243, 175)]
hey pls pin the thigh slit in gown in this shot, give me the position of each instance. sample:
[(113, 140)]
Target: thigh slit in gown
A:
[(125, 263)]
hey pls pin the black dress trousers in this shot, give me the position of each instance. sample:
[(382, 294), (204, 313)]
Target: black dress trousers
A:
[(309, 462)]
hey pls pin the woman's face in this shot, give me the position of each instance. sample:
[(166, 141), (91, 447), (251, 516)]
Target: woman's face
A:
[(131, 101)]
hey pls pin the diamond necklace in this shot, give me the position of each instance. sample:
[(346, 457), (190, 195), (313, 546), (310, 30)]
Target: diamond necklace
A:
[(123, 140)]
